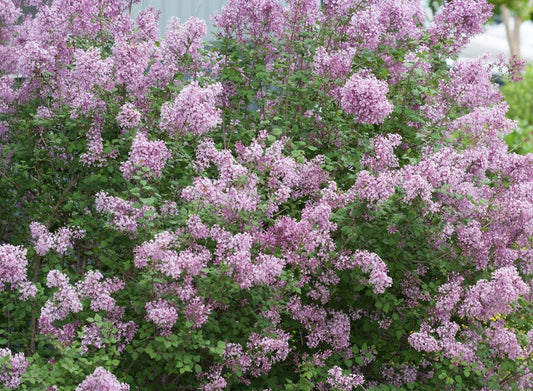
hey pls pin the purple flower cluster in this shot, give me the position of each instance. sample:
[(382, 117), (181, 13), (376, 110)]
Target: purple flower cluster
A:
[(383, 157), (487, 299), (152, 155), (10, 374), (259, 19), (338, 380), (64, 302), (186, 38), (193, 110), (333, 328), (102, 379), (365, 97), (459, 21), (262, 351), (68, 299), (129, 117), (471, 85), (163, 314), (334, 65), (13, 270), (125, 215), (61, 241)]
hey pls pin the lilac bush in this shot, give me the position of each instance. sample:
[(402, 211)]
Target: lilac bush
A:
[(309, 199)]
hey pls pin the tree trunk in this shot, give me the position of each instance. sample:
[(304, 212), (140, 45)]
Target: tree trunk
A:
[(513, 32)]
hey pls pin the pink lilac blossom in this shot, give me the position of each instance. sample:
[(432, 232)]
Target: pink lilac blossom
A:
[(234, 191), (148, 24), (61, 241), (95, 156), (159, 254), (63, 302), (302, 14), (258, 19), (336, 65), (371, 262), (129, 117), (9, 12), (449, 295), (193, 110), (489, 298), (13, 270), (99, 290), (151, 155), (423, 340), (186, 38), (503, 342), (338, 8), (399, 375), (197, 312), (102, 379), (125, 215), (403, 18), (383, 157), (267, 349), (365, 97), (10, 377), (7, 93), (365, 27), (333, 328), (261, 353), (373, 189), (458, 21), (182, 43), (92, 336), (343, 382), (447, 344), (470, 84), (215, 381), (67, 300), (131, 59), (163, 314), (90, 73)]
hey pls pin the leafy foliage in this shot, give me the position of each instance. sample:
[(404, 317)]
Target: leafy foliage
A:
[(312, 200)]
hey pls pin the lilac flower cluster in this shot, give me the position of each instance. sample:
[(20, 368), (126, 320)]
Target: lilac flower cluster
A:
[(90, 73), (371, 262), (10, 374), (262, 217), (471, 85), (489, 298), (68, 299), (95, 155), (334, 65), (262, 352), (383, 158), (13, 270), (102, 379), (64, 302), (186, 38), (365, 97), (459, 21), (260, 19), (129, 117), (152, 155), (162, 314), (125, 215), (333, 328), (193, 110), (61, 241), (343, 382)]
